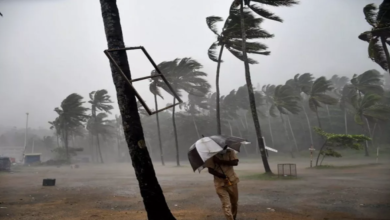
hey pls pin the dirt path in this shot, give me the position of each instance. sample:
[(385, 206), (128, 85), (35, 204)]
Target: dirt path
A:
[(111, 192)]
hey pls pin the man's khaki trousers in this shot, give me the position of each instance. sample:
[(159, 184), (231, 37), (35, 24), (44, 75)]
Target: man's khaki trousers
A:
[(229, 199)]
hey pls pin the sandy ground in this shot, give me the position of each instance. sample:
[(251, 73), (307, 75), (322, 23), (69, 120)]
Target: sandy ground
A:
[(111, 192)]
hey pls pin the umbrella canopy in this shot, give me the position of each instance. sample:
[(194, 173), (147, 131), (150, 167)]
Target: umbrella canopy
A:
[(207, 147)]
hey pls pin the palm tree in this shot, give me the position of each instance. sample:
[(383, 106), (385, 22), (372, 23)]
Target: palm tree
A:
[(379, 21), (302, 85), (195, 102), (155, 90), (369, 107), (368, 82), (55, 125), (71, 114), (344, 101), (119, 130), (155, 204), (285, 101), (184, 75), (318, 96), (268, 91), (227, 38), (99, 125), (100, 101)]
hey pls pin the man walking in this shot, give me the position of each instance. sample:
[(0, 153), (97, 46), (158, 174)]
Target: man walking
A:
[(225, 180)]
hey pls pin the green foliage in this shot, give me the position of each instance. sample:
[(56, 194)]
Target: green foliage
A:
[(378, 20), (318, 94), (342, 140), (284, 101)]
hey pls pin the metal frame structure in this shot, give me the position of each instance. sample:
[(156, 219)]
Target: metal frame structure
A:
[(159, 74), (291, 170)]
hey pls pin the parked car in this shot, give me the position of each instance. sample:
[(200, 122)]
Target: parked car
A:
[(5, 164)]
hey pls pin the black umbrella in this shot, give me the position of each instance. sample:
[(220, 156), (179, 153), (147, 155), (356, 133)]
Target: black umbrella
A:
[(207, 147)]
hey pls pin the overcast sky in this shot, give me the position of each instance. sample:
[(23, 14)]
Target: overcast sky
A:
[(51, 48)]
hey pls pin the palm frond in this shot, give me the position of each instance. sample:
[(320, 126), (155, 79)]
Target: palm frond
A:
[(377, 54), (277, 3), (370, 14), (365, 36), (240, 56), (264, 13), (212, 52), (211, 23)]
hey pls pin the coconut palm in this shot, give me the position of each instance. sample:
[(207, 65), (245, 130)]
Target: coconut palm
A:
[(184, 75), (284, 102), (195, 102), (100, 101), (379, 34), (155, 90), (268, 92), (318, 96), (99, 125), (368, 82), (367, 108), (302, 85), (155, 204), (71, 114), (117, 122), (227, 38)]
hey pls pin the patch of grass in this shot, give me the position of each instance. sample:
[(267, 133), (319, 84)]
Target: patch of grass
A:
[(345, 166), (265, 176)]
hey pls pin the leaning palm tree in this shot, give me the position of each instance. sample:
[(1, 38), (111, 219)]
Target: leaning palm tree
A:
[(71, 114), (285, 101), (99, 125), (184, 75), (302, 85), (100, 101), (155, 204), (227, 38), (368, 82), (368, 108), (155, 90), (379, 34), (318, 96)]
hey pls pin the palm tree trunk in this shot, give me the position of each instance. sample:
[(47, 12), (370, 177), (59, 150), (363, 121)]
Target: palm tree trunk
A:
[(219, 131), (287, 136), (98, 148), (231, 129), (153, 197), (251, 94), (364, 130), (292, 133), (175, 133), (308, 124), (318, 118), (330, 119), (66, 144), (270, 131), (58, 141), (345, 121), (383, 40), (159, 132), (196, 127)]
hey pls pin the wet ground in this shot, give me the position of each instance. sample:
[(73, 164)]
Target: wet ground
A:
[(110, 191)]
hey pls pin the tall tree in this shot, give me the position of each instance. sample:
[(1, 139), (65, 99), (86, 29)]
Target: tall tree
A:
[(155, 90), (229, 38), (56, 126), (318, 96), (99, 125), (285, 101), (378, 36), (368, 107), (71, 114), (302, 85), (153, 197), (368, 82), (100, 101), (184, 75)]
